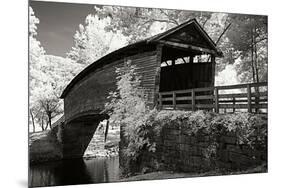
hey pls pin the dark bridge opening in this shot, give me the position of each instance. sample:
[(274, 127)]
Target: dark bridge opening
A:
[(78, 133), (185, 69)]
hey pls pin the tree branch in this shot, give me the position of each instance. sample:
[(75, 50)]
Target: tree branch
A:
[(174, 21), (225, 29), (158, 20), (203, 25)]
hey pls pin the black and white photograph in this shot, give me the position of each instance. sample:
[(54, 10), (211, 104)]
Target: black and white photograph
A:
[(128, 93)]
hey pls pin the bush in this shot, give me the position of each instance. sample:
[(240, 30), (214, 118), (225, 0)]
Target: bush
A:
[(127, 108), (245, 126)]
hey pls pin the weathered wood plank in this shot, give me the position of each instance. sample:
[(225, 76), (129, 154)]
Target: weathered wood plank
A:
[(238, 106), (183, 98), (204, 97), (240, 86), (202, 106), (167, 99), (259, 106), (236, 95), (187, 47)]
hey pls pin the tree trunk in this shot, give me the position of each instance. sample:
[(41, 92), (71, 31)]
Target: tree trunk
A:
[(256, 69), (42, 123), (32, 119), (106, 130), (256, 57), (46, 127), (252, 55), (50, 120)]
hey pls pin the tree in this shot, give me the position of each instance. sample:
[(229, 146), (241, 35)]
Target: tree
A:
[(248, 37), (59, 72), (91, 41), (36, 60), (48, 77), (139, 23)]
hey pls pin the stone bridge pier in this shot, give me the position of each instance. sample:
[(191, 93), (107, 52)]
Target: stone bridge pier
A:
[(76, 135)]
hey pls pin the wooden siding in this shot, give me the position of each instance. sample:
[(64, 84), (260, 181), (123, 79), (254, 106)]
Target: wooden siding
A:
[(90, 93)]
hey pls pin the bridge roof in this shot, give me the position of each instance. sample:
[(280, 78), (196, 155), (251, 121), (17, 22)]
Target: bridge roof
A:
[(168, 38)]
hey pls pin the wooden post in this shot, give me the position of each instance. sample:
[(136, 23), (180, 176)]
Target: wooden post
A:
[(213, 63), (160, 101), (216, 100), (257, 98), (233, 109), (174, 100), (249, 98), (190, 71), (193, 100), (173, 62), (157, 74), (191, 58)]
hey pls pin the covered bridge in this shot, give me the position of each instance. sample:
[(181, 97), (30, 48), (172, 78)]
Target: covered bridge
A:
[(181, 58)]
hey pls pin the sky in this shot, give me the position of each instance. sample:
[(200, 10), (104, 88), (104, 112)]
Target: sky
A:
[(58, 23)]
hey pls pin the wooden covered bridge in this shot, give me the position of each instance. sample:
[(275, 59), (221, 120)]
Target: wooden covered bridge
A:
[(177, 70)]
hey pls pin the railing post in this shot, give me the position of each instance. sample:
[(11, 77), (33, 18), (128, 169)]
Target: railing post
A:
[(257, 98), (193, 100), (174, 100), (249, 97), (233, 109), (160, 101), (216, 100)]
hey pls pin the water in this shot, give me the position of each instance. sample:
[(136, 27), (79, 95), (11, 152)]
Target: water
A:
[(75, 171)]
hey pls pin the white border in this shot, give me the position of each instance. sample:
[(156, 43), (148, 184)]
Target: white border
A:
[(13, 105)]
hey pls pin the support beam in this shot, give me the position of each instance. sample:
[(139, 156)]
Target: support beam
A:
[(193, 100), (213, 62), (157, 74), (188, 47), (216, 100), (173, 62), (249, 98), (191, 58)]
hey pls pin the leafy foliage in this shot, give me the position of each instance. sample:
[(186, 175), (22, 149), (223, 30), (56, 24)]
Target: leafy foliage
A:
[(91, 42), (48, 77), (250, 46), (127, 108), (242, 124), (250, 129), (139, 23)]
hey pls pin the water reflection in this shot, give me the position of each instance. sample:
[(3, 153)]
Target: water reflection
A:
[(75, 171)]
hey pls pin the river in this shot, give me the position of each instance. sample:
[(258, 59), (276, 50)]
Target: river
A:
[(75, 171)]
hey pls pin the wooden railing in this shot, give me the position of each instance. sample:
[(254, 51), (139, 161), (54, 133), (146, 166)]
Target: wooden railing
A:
[(247, 97)]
